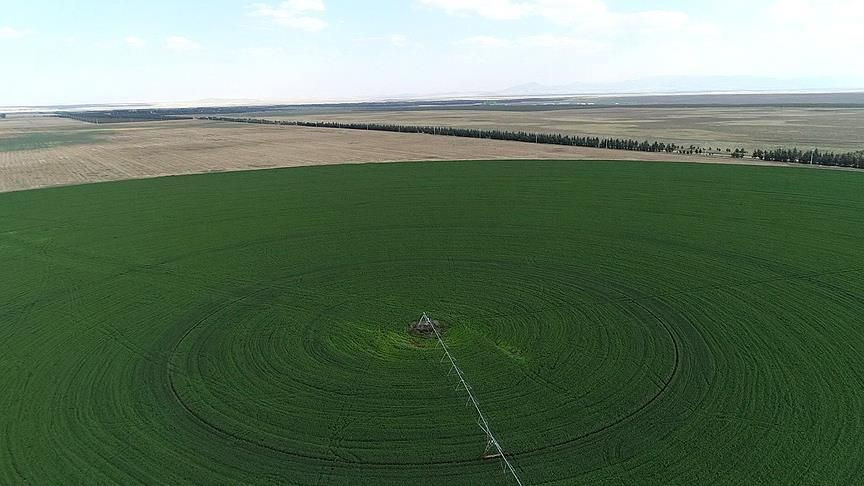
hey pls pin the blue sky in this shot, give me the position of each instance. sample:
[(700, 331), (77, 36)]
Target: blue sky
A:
[(54, 52)]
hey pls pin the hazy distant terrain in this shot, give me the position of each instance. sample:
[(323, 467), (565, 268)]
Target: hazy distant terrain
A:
[(828, 121), (485, 102), (38, 151)]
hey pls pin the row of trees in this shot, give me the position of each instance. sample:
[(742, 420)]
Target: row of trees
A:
[(852, 159), (848, 159)]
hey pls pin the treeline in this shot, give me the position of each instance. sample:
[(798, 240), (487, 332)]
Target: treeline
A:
[(119, 116), (817, 157), (517, 136)]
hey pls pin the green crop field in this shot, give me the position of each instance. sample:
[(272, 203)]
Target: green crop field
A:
[(620, 323), (41, 140)]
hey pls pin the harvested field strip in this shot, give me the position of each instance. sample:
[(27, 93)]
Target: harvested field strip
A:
[(620, 322)]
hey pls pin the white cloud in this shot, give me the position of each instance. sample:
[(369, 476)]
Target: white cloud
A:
[(494, 9), (657, 19), (294, 14), (136, 42), (484, 41), (825, 16), (560, 41), (262, 52), (581, 12), (12, 33), (593, 15), (181, 44), (398, 40), (826, 36), (394, 40), (542, 40)]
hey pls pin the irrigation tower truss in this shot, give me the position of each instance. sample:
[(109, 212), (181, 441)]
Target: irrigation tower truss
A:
[(492, 444)]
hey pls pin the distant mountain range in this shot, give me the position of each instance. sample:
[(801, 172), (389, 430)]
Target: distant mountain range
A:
[(663, 90), (684, 84)]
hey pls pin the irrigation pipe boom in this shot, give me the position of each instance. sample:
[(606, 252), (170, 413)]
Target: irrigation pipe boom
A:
[(491, 441)]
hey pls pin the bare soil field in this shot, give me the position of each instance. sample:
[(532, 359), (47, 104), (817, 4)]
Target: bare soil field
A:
[(94, 153), (829, 128)]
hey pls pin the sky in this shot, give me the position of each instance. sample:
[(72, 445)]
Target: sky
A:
[(95, 51)]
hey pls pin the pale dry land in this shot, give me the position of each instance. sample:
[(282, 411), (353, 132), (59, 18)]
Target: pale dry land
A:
[(40, 152), (837, 129)]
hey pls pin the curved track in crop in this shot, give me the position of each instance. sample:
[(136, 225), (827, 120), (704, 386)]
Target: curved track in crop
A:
[(619, 322)]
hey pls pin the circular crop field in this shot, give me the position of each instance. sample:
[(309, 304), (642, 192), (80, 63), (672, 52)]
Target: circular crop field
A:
[(619, 322)]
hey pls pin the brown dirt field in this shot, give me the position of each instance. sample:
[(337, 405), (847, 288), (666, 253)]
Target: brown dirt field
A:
[(142, 150)]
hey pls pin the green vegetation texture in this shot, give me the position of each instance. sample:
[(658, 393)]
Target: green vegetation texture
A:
[(621, 323), (41, 140)]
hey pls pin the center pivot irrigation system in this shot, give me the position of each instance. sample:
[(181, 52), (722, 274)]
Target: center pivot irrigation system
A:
[(492, 445)]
